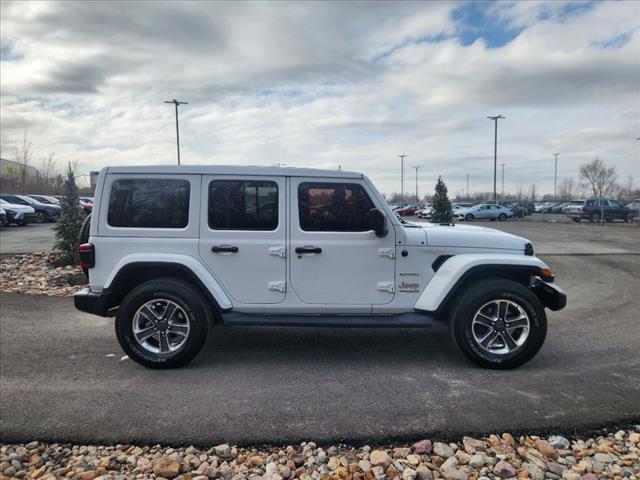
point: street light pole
(555, 176)
(402, 157)
(417, 167)
(467, 186)
(502, 195)
(176, 103)
(495, 153)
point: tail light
(87, 255)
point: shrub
(441, 205)
(68, 227)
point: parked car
(489, 211)
(18, 214)
(87, 200)
(409, 209)
(44, 213)
(575, 206)
(3, 218)
(597, 210)
(424, 213)
(634, 209)
(172, 251)
(44, 199)
(557, 208)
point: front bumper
(551, 296)
(94, 303)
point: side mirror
(376, 220)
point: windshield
(28, 200)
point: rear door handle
(224, 249)
(301, 250)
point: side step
(409, 319)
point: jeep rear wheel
(162, 323)
(498, 324)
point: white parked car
(173, 251)
(18, 214)
(483, 211)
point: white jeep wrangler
(172, 251)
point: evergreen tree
(441, 205)
(68, 227)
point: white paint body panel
(454, 268)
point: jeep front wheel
(162, 323)
(498, 324)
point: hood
(470, 236)
(18, 208)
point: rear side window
(333, 207)
(243, 205)
(149, 203)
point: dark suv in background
(596, 210)
(44, 213)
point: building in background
(9, 168)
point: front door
(335, 259)
(243, 236)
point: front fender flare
(456, 268)
(191, 263)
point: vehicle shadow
(302, 346)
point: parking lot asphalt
(63, 376)
(34, 237)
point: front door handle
(301, 250)
(224, 249)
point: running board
(410, 319)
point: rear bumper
(551, 296)
(94, 303)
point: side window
(614, 204)
(149, 203)
(243, 205)
(333, 207)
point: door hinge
(278, 252)
(386, 287)
(387, 252)
(278, 286)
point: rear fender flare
(191, 264)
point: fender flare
(191, 265)
(455, 269)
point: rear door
(335, 260)
(243, 235)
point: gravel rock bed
(40, 273)
(611, 456)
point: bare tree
(568, 189)
(24, 156)
(598, 176)
(532, 192)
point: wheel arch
(459, 271)
(134, 273)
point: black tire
(482, 292)
(469, 217)
(502, 217)
(188, 298)
(40, 217)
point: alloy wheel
(500, 327)
(161, 326)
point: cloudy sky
(328, 84)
